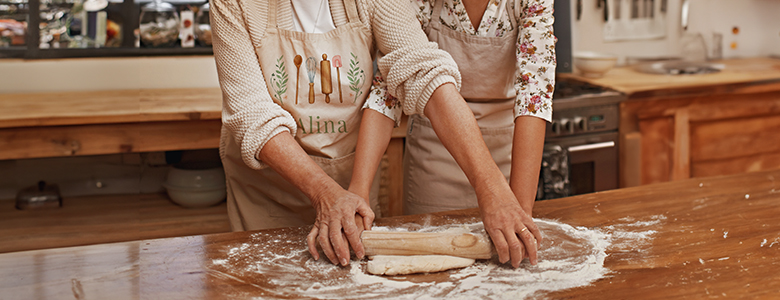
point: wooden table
(720, 238)
(124, 121)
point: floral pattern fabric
(535, 65)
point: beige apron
(328, 113)
(433, 181)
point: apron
(322, 79)
(433, 181)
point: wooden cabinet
(700, 131)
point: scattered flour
(281, 267)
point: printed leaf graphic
(356, 76)
(279, 80)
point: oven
(581, 143)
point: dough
(402, 265)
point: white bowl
(594, 64)
(196, 175)
(196, 197)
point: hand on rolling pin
(335, 228)
(513, 232)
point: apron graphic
(356, 76)
(279, 81)
(337, 65)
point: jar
(203, 26)
(159, 25)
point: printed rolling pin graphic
(311, 68)
(337, 65)
(460, 244)
(325, 79)
(298, 61)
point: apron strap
(271, 22)
(352, 13)
(435, 19)
(510, 14)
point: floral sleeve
(380, 100)
(535, 75)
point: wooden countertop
(744, 73)
(719, 238)
(109, 107)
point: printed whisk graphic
(311, 68)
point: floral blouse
(535, 66)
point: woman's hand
(512, 230)
(335, 228)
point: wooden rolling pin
(458, 244)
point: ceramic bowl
(196, 184)
(594, 64)
(196, 197)
(196, 175)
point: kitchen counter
(739, 74)
(73, 123)
(715, 237)
(681, 126)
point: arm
(374, 136)
(527, 146)
(263, 129)
(535, 79)
(336, 208)
(502, 215)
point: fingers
(352, 232)
(501, 246)
(367, 215)
(516, 249)
(529, 241)
(324, 241)
(311, 240)
(339, 243)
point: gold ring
(524, 229)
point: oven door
(591, 164)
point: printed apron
(322, 79)
(433, 181)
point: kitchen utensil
(39, 197)
(196, 185)
(311, 68)
(325, 81)
(196, 197)
(458, 244)
(337, 65)
(298, 60)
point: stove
(581, 143)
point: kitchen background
(747, 28)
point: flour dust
(280, 266)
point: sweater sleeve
(413, 66)
(535, 70)
(248, 112)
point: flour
(281, 267)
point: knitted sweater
(412, 66)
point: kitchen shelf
(126, 13)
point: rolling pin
(458, 244)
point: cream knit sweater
(412, 66)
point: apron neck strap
(352, 13)
(437, 4)
(510, 14)
(272, 8)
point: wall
(758, 22)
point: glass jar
(203, 26)
(159, 25)
(13, 23)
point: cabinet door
(706, 136)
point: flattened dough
(402, 265)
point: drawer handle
(591, 146)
